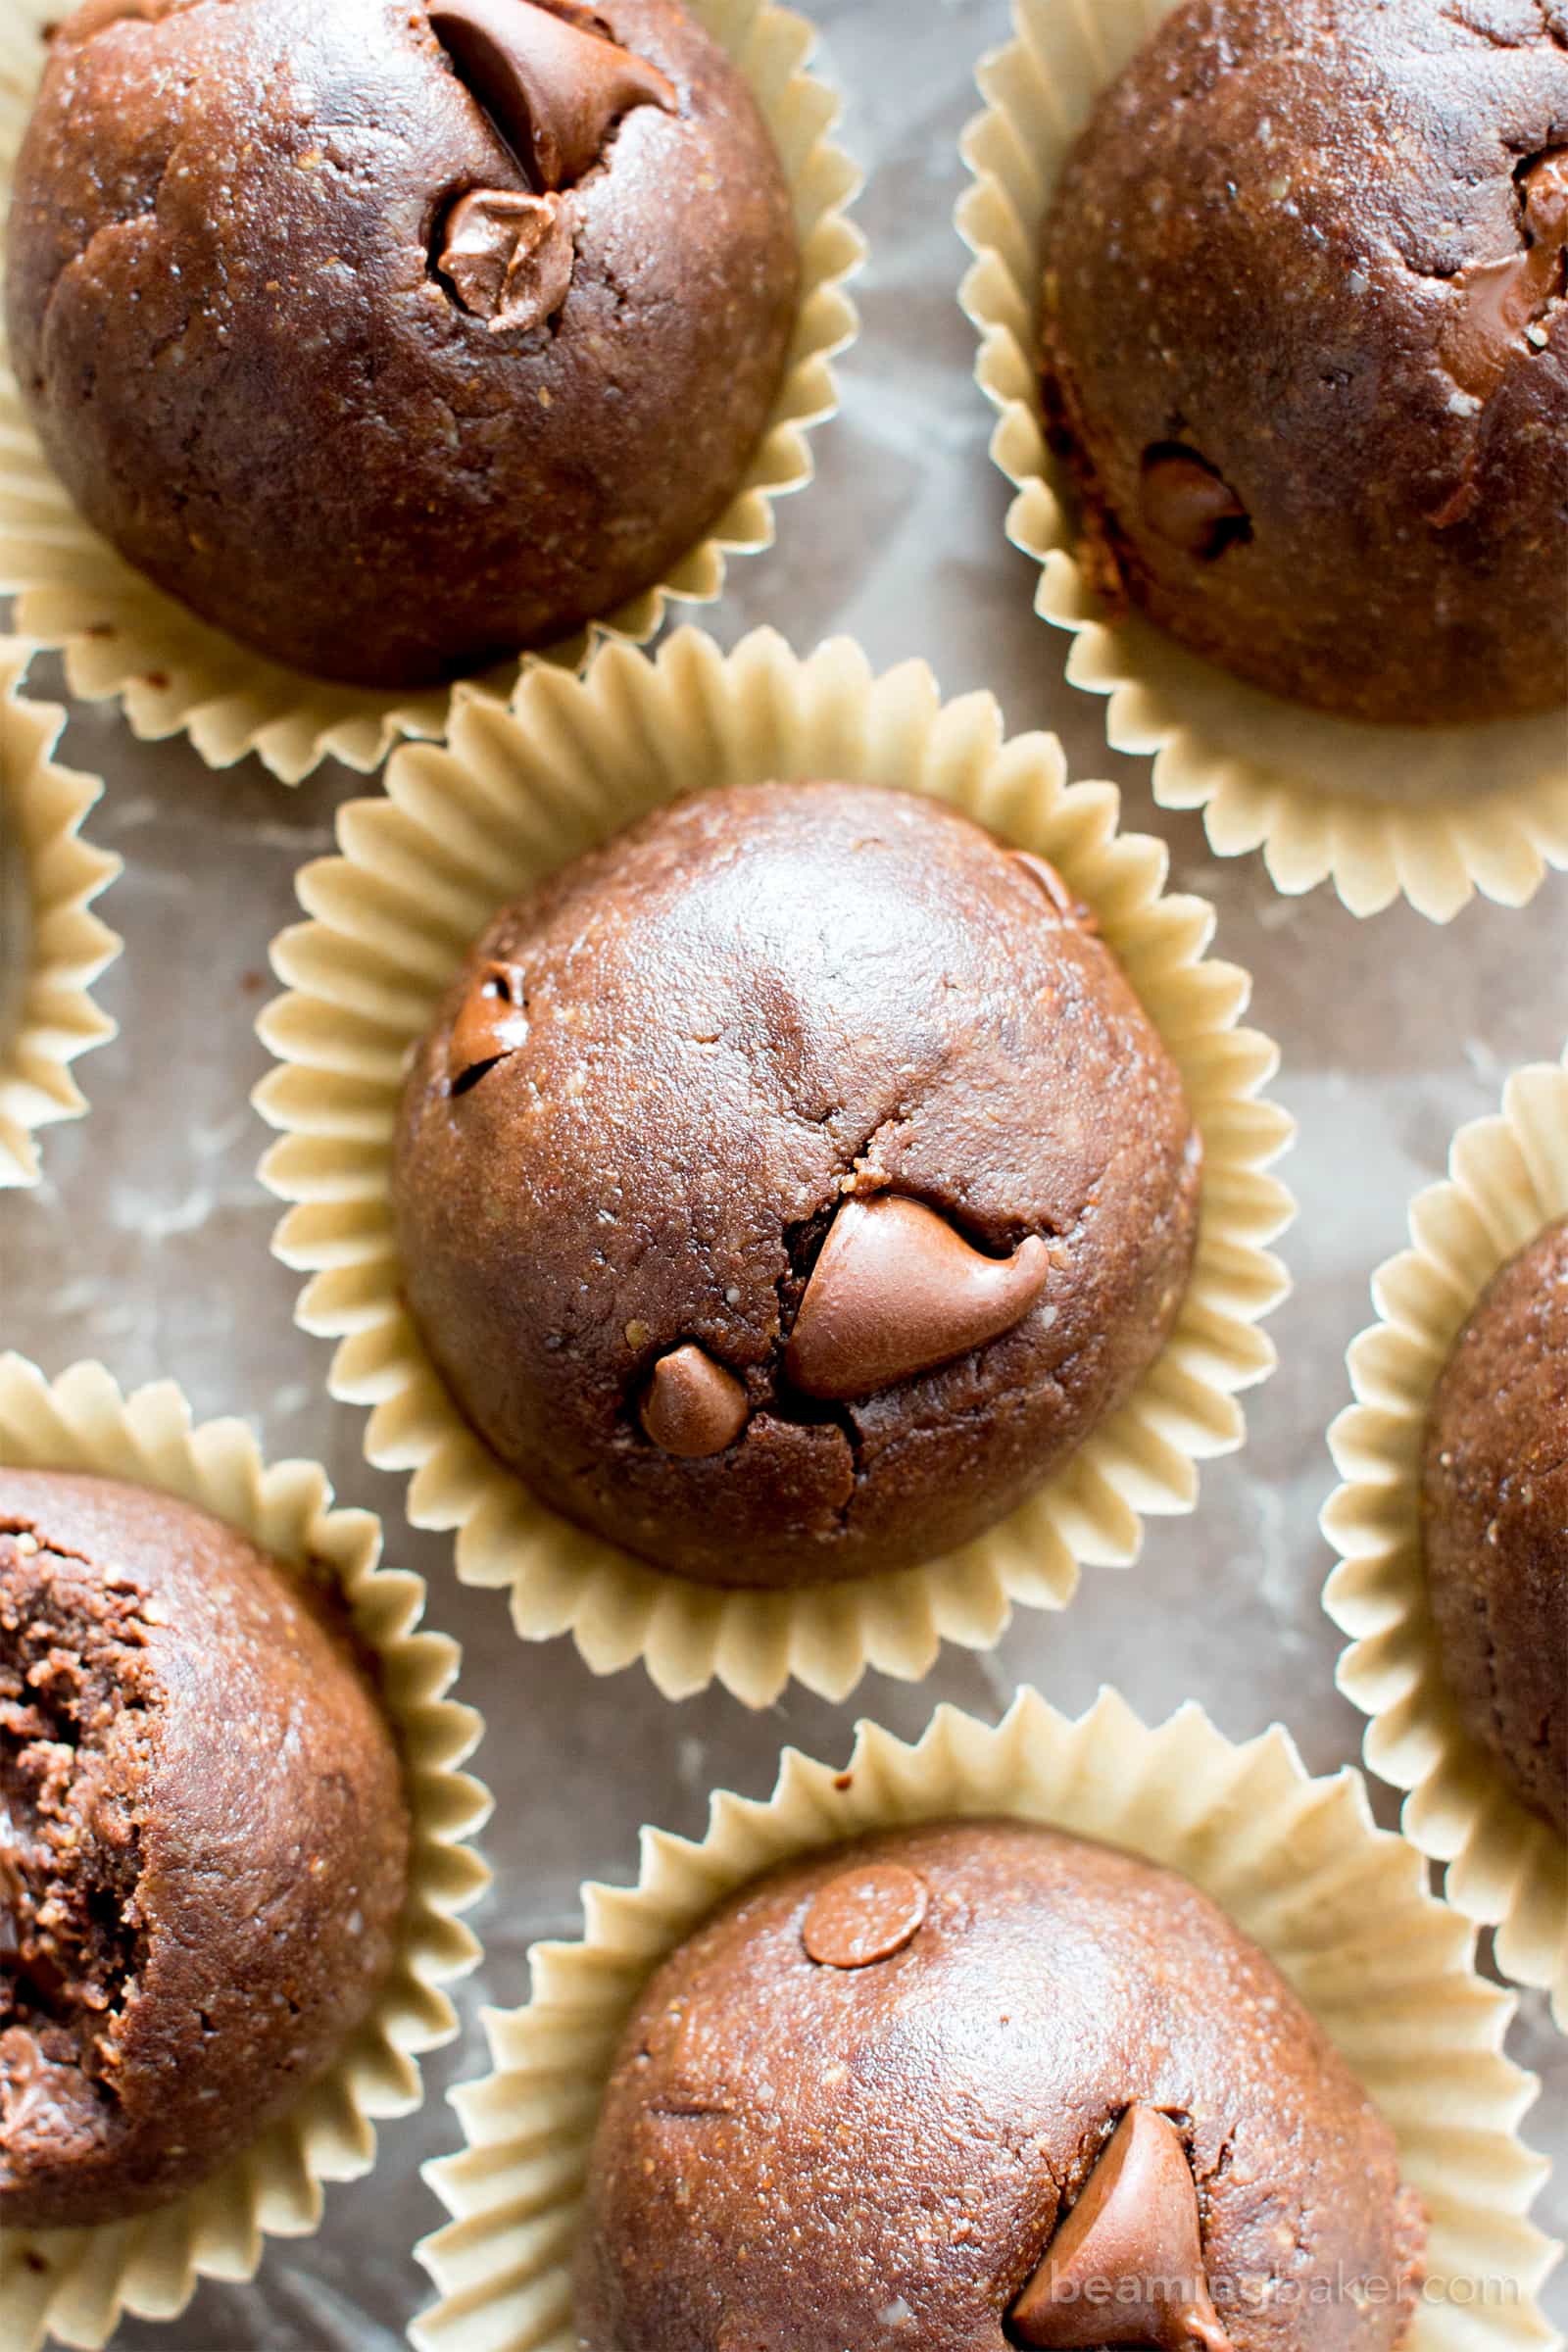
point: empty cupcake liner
(173, 674)
(52, 947)
(1341, 1906)
(77, 2283)
(517, 792)
(1505, 1867)
(1437, 812)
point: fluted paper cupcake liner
(1434, 813)
(175, 674)
(74, 2284)
(514, 794)
(52, 947)
(1339, 1906)
(1505, 1867)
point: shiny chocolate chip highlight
(1126, 2267)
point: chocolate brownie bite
(393, 338)
(204, 1845)
(1306, 348)
(786, 1187)
(977, 2084)
(1494, 1522)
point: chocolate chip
(1186, 500)
(1133, 2238)
(11, 1894)
(507, 257)
(551, 82)
(864, 1916)
(1501, 301)
(897, 1290)
(694, 1407)
(492, 1024)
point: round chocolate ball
(394, 338)
(978, 2084)
(1306, 348)
(786, 1187)
(204, 1845)
(1494, 1522)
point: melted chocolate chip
(553, 85)
(897, 1290)
(864, 1916)
(694, 1407)
(507, 257)
(1126, 2267)
(1499, 301)
(1185, 500)
(492, 1024)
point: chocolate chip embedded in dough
(1189, 504)
(1126, 2267)
(694, 1407)
(554, 88)
(864, 1915)
(507, 257)
(493, 1023)
(897, 1290)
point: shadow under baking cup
(1507, 1866)
(53, 948)
(514, 794)
(1432, 812)
(1341, 1907)
(76, 2284)
(173, 673)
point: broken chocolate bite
(149, 2029)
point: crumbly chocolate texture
(389, 350)
(1495, 1521)
(1306, 348)
(878, 2143)
(204, 1845)
(786, 1187)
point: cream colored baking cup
(1507, 1866)
(1341, 1907)
(77, 2283)
(176, 675)
(52, 946)
(1434, 813)
(465, 829)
